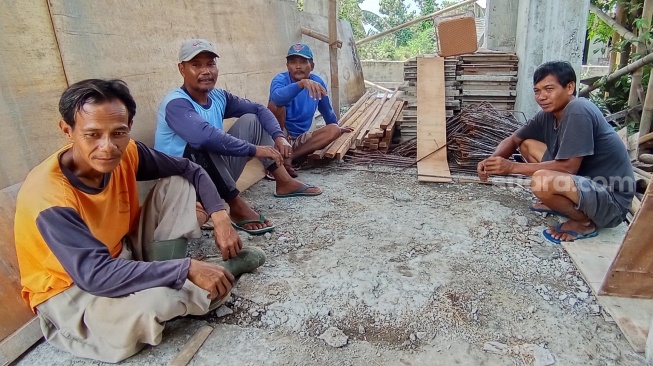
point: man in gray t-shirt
(580, 167)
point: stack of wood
(372, 119)
(483, 76)
(488, 77)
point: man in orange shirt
(88, 256)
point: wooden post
(616, 37)
(647, 110)
(640, 47)
(631, 271)
(317, 35)
(333, 56)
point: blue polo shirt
(300, 107)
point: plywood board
(432, 165)
(32, 82)
(631, 273)
(20, 341)
(593, 257)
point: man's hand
(211, 277)
(315, 89)
(270, 153)
(283, 146)
(346, 129)
(498, 166)
(226, 237)
(480, 169)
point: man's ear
(129, 124)
(312, 65)
(180, 67)
(571, 87)
(66, 129)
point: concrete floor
(405, 274)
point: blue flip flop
(300, 192)
(240, 225)
(549, 211)
(578, 236)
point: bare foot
(239, 210)
(292, 185)
(582, 228)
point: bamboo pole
(616, 37)
(625, 33)
(333, 56)
(318, 36)
(640, 47)
(647, 110)
(619, 73)
(414, 21)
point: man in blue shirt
(295, 95)
(190, 125)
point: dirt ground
(382, 270)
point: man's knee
(248, 119)
(545, 183)
(333, 131)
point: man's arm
(236, 107)
(324, 106)
(153, 164)
(90, 265)
(281, 94)
(198, 133)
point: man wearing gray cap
(295, 95)
(190, 125)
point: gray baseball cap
(192, 47)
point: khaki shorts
(300, 140)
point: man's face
(200, 73)
(299, 67)
(100, 136)
(551, 96)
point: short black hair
(562, 70)
(94, 91)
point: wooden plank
(593, 257)
(345, 140)
(493, 93)
(624, 113)
(20, 341)
(191, 347)
(631, 273)
(348, 120)
(350, 140)
(623, 135)
(375, 114)
(431, 121)
(486, 78)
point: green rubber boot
(247, 260)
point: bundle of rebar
(474, 133)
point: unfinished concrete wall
(47, 45)
(350, 71)
(547, 31)
(32, 80)
(383, 71)
(501, 25)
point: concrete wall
(48, 45)
(537, 31)
(350, 72)
(383, 71)
(501, 25)
(548, 30)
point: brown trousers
(112, 329)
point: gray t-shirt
(583, 131)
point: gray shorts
(598, 203)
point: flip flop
(299, 192)
(578, 236)
(549, 211)
(261, 220)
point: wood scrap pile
(403, 155)
(372, 119)
(474, 134)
